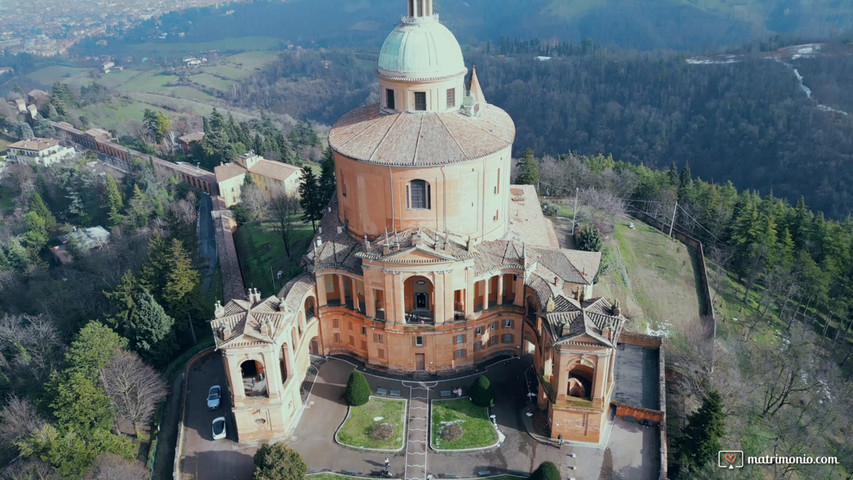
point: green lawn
(262, 255)
(211, 81)
(661, 280)
(179, 49)
(479, 431)
(356, 431)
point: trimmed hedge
(358, 390)
(482, 392)
(546, 471)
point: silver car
(218, 428)
(213, 397)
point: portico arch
(253, 374)
(580, 381)
(419, 299)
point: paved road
(632, 453)
(206, 230)
(204, 458)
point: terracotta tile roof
(228, 171)
(575, 266)
(527, 223)
(569, 320)
(420, 138)
(242, 323)
(192, 137)
(277, 170)
(35, 144)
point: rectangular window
(460, 353)
(351, 340)
(451, 97)
(381, 353)
(478, 345)
(336, 323)
(418, 194)
(493, 326)
(507, 323)
(478, 330)
(349, 326)
(363, 345)
(337, 337)
(377, 338)
(420, 101)
(506, 338)
(364, 330)
(419, 341)
(389, 99)
(460, 339)
(493, 340)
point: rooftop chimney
(218, 310)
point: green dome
(421, 48)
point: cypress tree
(705, 427)
(358, 390)
(482, 392)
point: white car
(218, 428)
(213, 397)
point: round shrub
(482, 392)
(358, 390)
(452, 432)
(546, 471)
(382, 431)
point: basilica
(428, 261)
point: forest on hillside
(749, 122)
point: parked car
(218, 428)
(213, 397)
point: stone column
(486, 294)
(519, 291)
(500, 297)
(321, 292)
(341, 288)
(354, 289)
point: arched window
(418, 194)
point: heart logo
(731, 457)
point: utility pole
(192, 330)
(674, 209)
(575, 210)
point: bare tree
(29, 469)
(110, 466)
(253, 202)
(30, 348)
(134, 387)
(603, 207)
(18, 420)
(284, 213)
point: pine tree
(115, 202)
(327, 173)
(150, 331)
(705, 427)
(37, 205)
(528, 169)
(311, 198)
(182, 279)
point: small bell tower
(420, 8)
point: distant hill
(689, 25)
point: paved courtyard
(632, 452)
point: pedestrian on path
(387, 464)
(560, 440)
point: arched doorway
(419, 300)
(309, 308)
(580, 381)
(254, 378)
